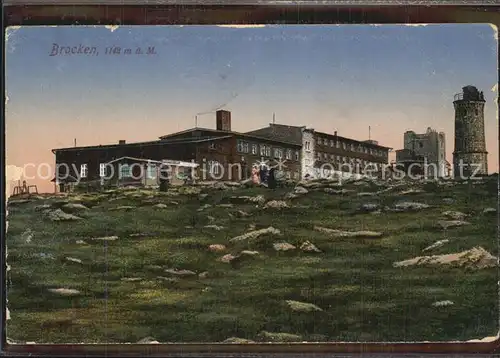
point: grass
(362, 296)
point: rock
(227, 258)
(252, 235)
(216, 248)
(168, 279)
(302, 306)
(242, 214)
(18, 202)
(215, 227)
(43, 207)
(74, 207)
(105, 238)
(411, 191)
(278, 337)
(189, 190)
(122, 208)
(448, 200)
(369, 207)
(148, 340)
(206, 206)
(59, 215)
(160, 206)
(65, 291)
(455, 215)
(233, 184)
(436, 245)
(276, 204)
(80, 242)
(259, 199)
(283, 246)
(410, 206)
(299, 190)
(203, 274)
(249, 253)
(237, 340)
(27, 235)
(183, 273)
(131, 279)
(446, 224)
(477, 258)
(202, 196)
(367, 193)
(225, 205)
(342, 233)
(442, 303)
(489, 211)
(309, 247)
(72, 259)
(290, 196)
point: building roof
(179, 163)
(250, 135)
(294, 134)
(155, 142)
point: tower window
(477, 111)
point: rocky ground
(317, 261)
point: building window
(262, 150)
(297, 155)
(325, 156)
(337, 144)
(352, 147)
(211, 145)
(214, 167)
(289, 154)
(239, 146)
(125, 171)
(331, 143)
(151, 171)
(344, 146)
(308, 145)
(245, 147)
(102, 170)
(254, 148)
(268, 151)
(307, 162)
(278, 153)
(84, 171)
(421, 145)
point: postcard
(248, 184)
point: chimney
(223, 120)
(335, 133)
(121, 141)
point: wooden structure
(24, 189)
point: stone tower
(470, 155)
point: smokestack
(223, 119)
(75, 142)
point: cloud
(241, 26)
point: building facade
(324, 154)
(470, 156)
(219, 154)
(427, 150)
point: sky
(346, 78)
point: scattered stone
(448, 200)
(237, 340)
(336, 191)
(489, 211)
(249, 253)
(18, 202)
(252, 235)
(105, 238)
(276, 204)
(122, 208)
(203, 274)
(161, 206)
(217, 248)
(225, 205)
(446, 224)
(131, 279)
(74, 207)
(436, 245)
(476, 257)
(259, 199)
(168, 279)
(215, 227)
(206, 206)
(455, 215)
(148, 340)
(299, 190)
(442, 303)
(278, 337)
(227, 258)
(202, 196)
(43, 207)
(369, 207)
(411, 191)
(410, 206)
(65, 291)
(283, 246)
(210, 218)
(80, 242)
(27, 235)
(180, 272)
(302, 306)
(72, 259)
(290, 196)
(307, 246)
(342, 233)
(59, 215)
(367, 193)
(242, 214)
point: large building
(470, 156)
(218, 154)
(424, 153)
(323, 153)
